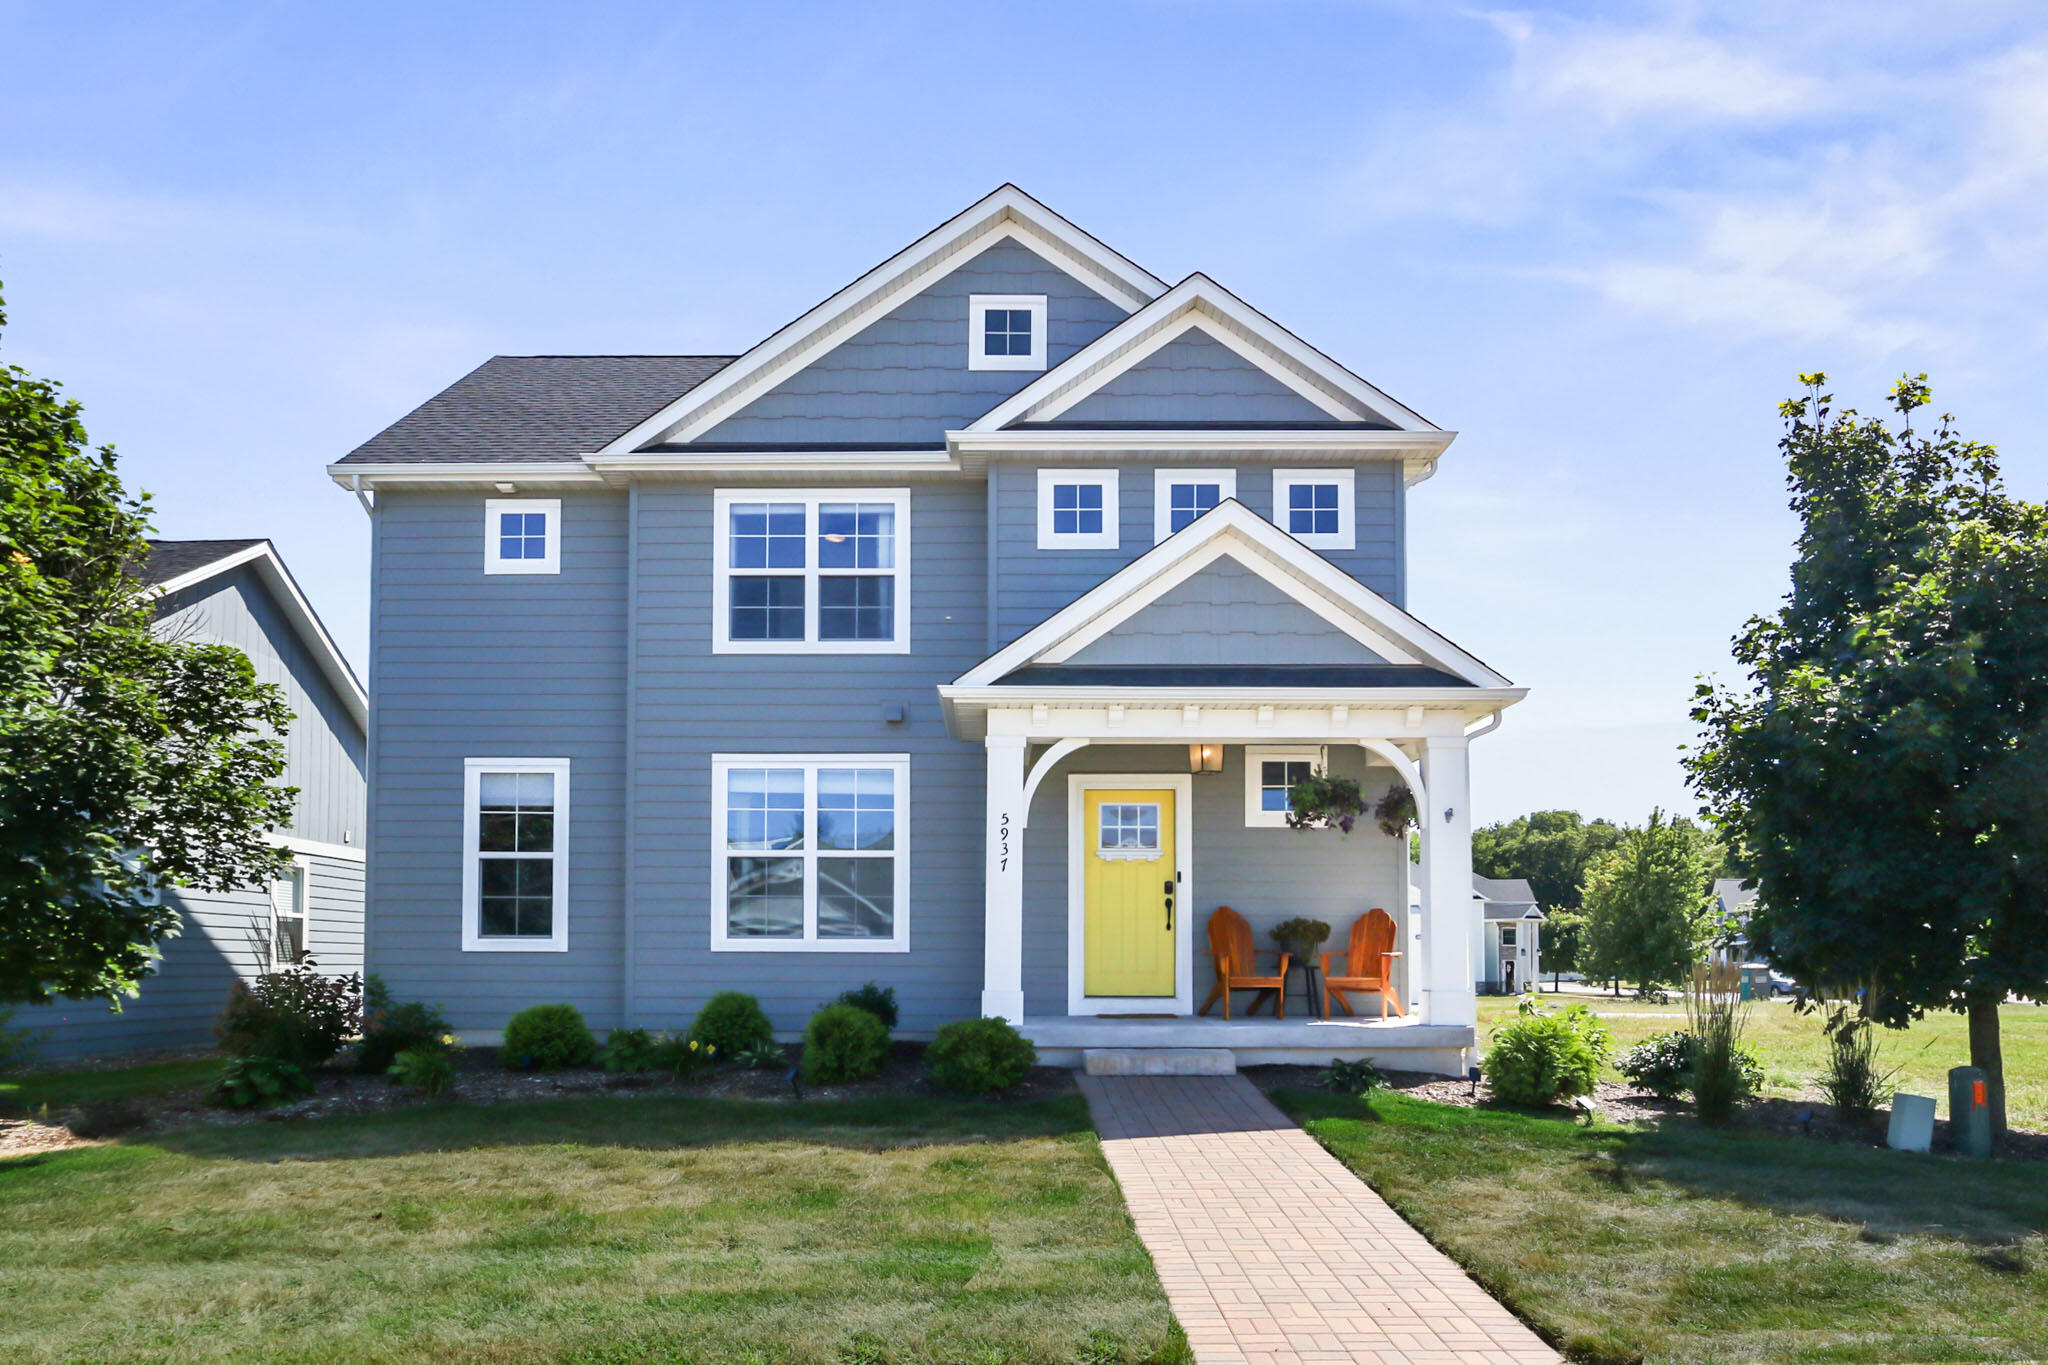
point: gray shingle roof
(533, 409)
(170, 559)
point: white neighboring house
(238, 592)
(1507, 933)
(1733, 901)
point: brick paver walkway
(1272, 1252)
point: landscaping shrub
(294, 1014)
(877, 1000)
(1664, 1065)
(681, 1057)
(1353, 1078)
(843, 1043)
(547, 1036)
(1540, 1059)
(248, 1082)
(1724, 1074)
(761, 1057)
(975, 1056)
(426, 1066)
(732, 1022)
(390, 1027)
(1855, 1080)
(627, 1050)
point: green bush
(1353, 1078)
(843, 1043)
(247, 1082)
(1540, 1059)
(975, 1056)
(628, 1050)
(425, 1067)
(681, 1057)
(295, 1015)
(390, 1027)
(877, 1000)
(1661, 1064)
(547, 1036)
(732, 1022)
(1856, 1079)
(761, 1057)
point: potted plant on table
(1302, 938)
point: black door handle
(1169, 907)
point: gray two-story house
(964, 635)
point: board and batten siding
(905, 377)
(690, 704)
(1266, 875)
(470, 665)
(1031, 584)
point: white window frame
(721, 940)
(551, 562)
(299, 882)
(473, 940)
(1346, 536)
(978, 306)
(1255, 814)
(722, 571)
(1163, 481)
(1105, 539)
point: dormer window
(1006, 332)
(522, 535)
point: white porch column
(1002, 992)
(1447, 938)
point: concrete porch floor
(1395, 1044)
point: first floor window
(1181, 495)
(515, 876)
(1269, 775)
(288, 919)
(798, 572)
(809, 853)
(522, 535)
(1077, 509)
(1314, 506)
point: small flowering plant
(1320, 801)
(682, 1057)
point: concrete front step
(1159, 1061)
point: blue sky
(1597, 241)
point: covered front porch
(1394, 1044)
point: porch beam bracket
(1040, 770)
(1410, 774)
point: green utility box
(1969, 1110)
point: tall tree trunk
(1987, 1056)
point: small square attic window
(1006, 332)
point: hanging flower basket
(1396, 811)
(1320, 801)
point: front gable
(1225, 613)
(1193, 379)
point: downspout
(355, 483)
(1492, 723)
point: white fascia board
(1145, 577)
(1197, 297)
(305, 621)
(1082, 711)
(1009, 212)
(455, 473)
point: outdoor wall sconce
(1205, 758)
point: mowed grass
(592, 1230)
(1794, 1050)
(1682, 1245)
(29, 1092)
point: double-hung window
(810, 853)
(515, 874)
(1314, 506)
(289, 920)
(522, 535)
(1077, 509)
(823, 572)
(1006, 332)
(1181, 495)
(1268, 774)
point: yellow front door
(1131, 884)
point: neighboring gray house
(1736, 905)
(238, 592)
(1510, 929)
(963, 635)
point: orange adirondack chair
(1368, 964)
(1230, 943)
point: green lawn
(26, 1093)
(1794, 1051)
(1687, 1246)
(589, 1230)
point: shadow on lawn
(650, 1123)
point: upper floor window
(812, 571)
(1006, 332)
(1077, 509)
(1269, 773)
(515, 874)
(1181, 495)
(1314, 506)
(522, 535)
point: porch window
(515, 876)
(811, 853)
(1269, 773)
(812, 572)
(1315, 507)
(1181, 495)
(522, 535)
(1077, 509)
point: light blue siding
(1225, 614)
(904, 378)
(1195, 378)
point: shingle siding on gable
(1225, 614)
(905, 378)
(1195, 378)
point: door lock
(1169, 907)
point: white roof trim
(297, 610)
(1200, 301)
(1009, 212)
(1232, 528)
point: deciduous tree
(1648, 913)
(1553, 850)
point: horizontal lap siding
(1225, 614)
(470, 665)
(1195, 378)
(691, 704)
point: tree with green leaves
(1885, 769)
(1649, 914)
(1553, 850)
(128, 761)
